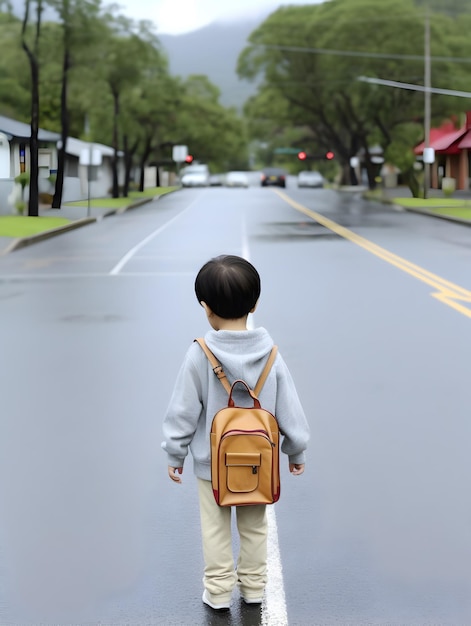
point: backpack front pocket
(243, 471)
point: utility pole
(427, 103)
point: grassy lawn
(24, 226)
(453, 207)
(18, 226)
(118, 203)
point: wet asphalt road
(372, 313)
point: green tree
(75, 31)
(151, 118)
(125, 57)
(311, 57)
(214, 134)
(14, 71)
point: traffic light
(189, 158)
(302, 156)
(329, 155)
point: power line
(393, 83)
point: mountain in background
(213, 50)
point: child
(228, 288)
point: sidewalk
(405, 192)
(78, 215)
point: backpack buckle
(219, 372)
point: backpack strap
(266, 371)
(218, 369)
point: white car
(236, 179)
(310, 179)
(195, 176)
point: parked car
(273, 176)
(236, 179)
(215, 180)
(310, 179)
(195, 176)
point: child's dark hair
(229, 285)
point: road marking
(245, 240)
(128, 256)
(274, 612)
(446, 292)
(19, 277)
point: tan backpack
(245, 453)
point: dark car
(273, 176)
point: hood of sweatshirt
(242, 353)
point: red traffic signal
(302, 156)
(189, 158)
(329, 155)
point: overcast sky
(179, 16)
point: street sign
(429, 155)
(287, 150)
(179, 153)
(90, 156)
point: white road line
(128, 256)
(274, 612)
(18, 277)
(245, 241)
(27, 277)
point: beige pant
(220, 576)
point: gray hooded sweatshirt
(198, 395)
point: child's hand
(296, 468)
(172, 473)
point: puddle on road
(311, 228)
(288, 230)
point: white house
(14, 155)
(14, 159)
(76, 175)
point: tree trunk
(114, 160)
(33, 202)
(129, 153)
(127, 166)
(371, 170)
(413, 183)
(32, 54)
(142, 162)
(57, 200)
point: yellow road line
(447, 292)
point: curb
(22, 242)
(16, 244)
(137, 204)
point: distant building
(452, 153)
(15, 158)
(76, 175)
(14, 155)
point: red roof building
(452, 153)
